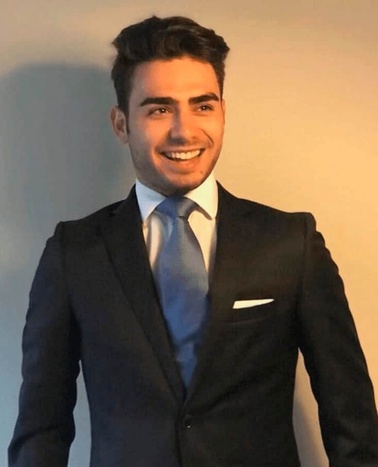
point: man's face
(175, 124)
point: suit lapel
(124, 240)
(224, 282)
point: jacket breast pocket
(256, 312)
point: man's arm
(335, 362)
(45, 425)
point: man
(211, 382)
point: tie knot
(177, 206)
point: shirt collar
(205, 195)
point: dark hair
(164, 39)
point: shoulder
(260, 214)
(90, 222)
(94, 218)
(88, 227)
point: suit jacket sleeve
(45, 426)
(334, 360)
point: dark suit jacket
(93, 298)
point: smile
(182, 155)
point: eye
(205, 107)
(157, 111)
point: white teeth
(184, 155)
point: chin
(176, 191)
(179, 189)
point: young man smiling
(173, 124)
(271, 288)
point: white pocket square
(250, 303)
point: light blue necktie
(183, 284)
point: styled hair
(164, 39)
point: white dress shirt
(157, 227)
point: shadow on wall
(58, 160)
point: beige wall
(302, 107)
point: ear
(119, 124)
(224, 107)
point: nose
(182, 126)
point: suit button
(187, 421)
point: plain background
(302, 111)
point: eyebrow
(170, 101)
(204, 98)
